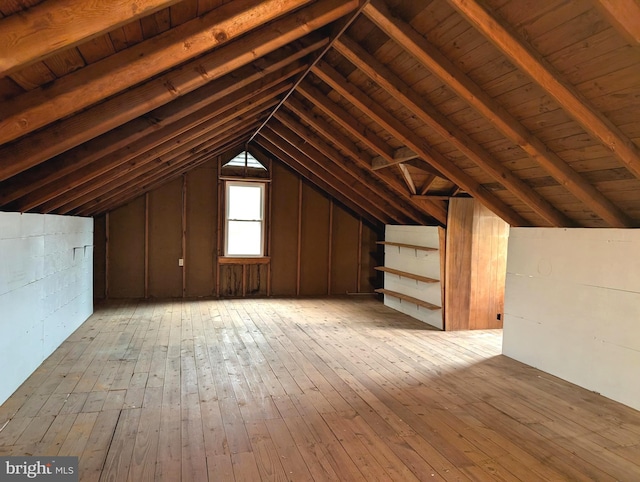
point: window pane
(244, 238)
(245, 202)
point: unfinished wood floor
(307, 390)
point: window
(244, 219)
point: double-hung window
(244, 219)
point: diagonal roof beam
(397, 129)
(54, 26)
(353, 189)
(429, 56)
(228, 93)
(359, 171)
(624, 15)
(120, 71)
(159, 172)
(298, 166)
(351, 125)
(334, 37)
(386, 79)
(541, 72)
(97, 120)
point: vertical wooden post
(359, 265)
(184, 235)
(268, 221)
(146, 245)
(221, 213)
(330, 253)
(106, 256)
(299, 254)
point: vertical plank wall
(331, 261)
(572, 307)
(476, 259)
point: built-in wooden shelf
(404, 245)
(404, 274)
(410, 299)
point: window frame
(262, 220)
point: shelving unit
(404, 274)
(413, 272)
(410, 299)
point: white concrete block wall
(572, 307)
(425, 263)
(46, 289)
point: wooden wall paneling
(256, 279)
(231, 280)
(106, 257)
(370, 257)
(299, 253)
(126, 251)
(442, 237)
(202, 214)
(345, 260)
(183, 232)
(314, 243)
(359, 272)
(99, 256)
(458, 263)
(330, 247)
(146, 245)
(220, 217)
(476, 244)
(165, 241)
(284, 231)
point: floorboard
(307, 390)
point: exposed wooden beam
(378, 190)
(179, 135)
(406, 175)
(429, 56)
(136, 187)
(427, 184)
(56, 25)
(334, 36)
(624, 15)
(260, 74)
(390, 82)
(400, 155)
(351, 125)
(120, 71)
(111, 167)
(137, 101)
(396, 128)
(354, 190)
(306, 173)
(545, 75)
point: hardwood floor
(307, 390)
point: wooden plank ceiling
(392, 106)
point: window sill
(244, 260)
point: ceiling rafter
(351, 125)
(624, 15)
(144, 152)
(312, 177)
(397, 129)
(357, 171)
(395, 87)
(139, 100)
(322, 167)
(118, 72)
(54, 26)
(429, 56)
(129, 189)
(543, 73)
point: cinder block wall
(46, 289)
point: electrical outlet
(180, 262)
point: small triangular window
(245, 159)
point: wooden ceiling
(391, 106)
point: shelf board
(410, 299)
(404, 245)
(404, 274)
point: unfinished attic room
(320, 240)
